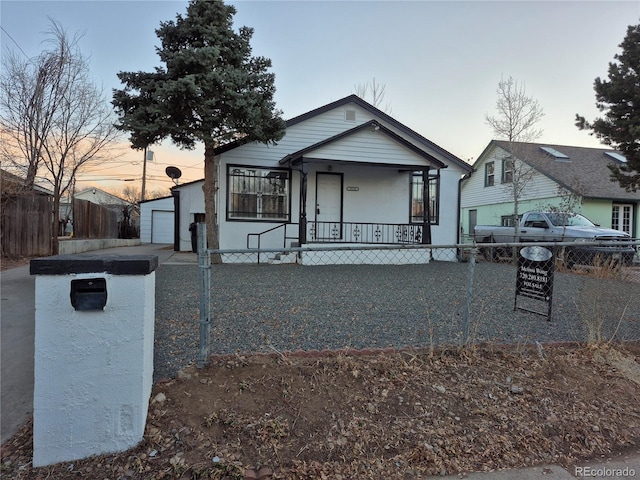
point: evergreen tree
(619, 98)
(210, 90)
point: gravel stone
(279, 308)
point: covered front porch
(382, 194)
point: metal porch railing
(365, 233)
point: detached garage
(157, 224)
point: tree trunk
(210, 190)
(55, 243)
(32, 169)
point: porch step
(280, 258)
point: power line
(197, 165)
(93, 178)
(98, 168)
(16, 43)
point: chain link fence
(422, 296)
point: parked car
(562, 227)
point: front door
(329, 205)
(473, 221)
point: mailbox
(75, 414)
(89, 294)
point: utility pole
(144, 172)
(148, 155)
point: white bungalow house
(343, 173)
(554, 176)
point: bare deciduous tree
(134, 195)
(570, 201)
(376, 92)
(28, 106)
(516, 121)
(130, 194)
(54, 118)
(518, 114)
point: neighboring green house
(553, 176)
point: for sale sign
(534, 281)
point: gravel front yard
(393, 415)
(262, 308)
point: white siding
(297, 137)
(310, 132)
(100, 197)
(368, 146)
(146, 213)
(191, 202)
(475, 194)
(383, 193)
(446, 233)
(494, 202)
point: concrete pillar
(94, 327)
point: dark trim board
(92, 263)
(176, 220)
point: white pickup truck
(562, 227)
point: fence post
(204, 274)
(467, 313)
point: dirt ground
(376, 414)
(7, 263)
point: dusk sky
(439, 61)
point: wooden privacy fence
(26, 222)
(91, 220)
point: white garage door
(161, 226)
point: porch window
(417, 196)
(255, 193)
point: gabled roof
(584, 172)
(12, 184)
(180, 185)
(296, 157)
(156, 199)
(116, 199)
(374, 111)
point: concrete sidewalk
(626, 467)
(17, 330)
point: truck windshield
(569, 220)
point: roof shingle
(585, 171)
